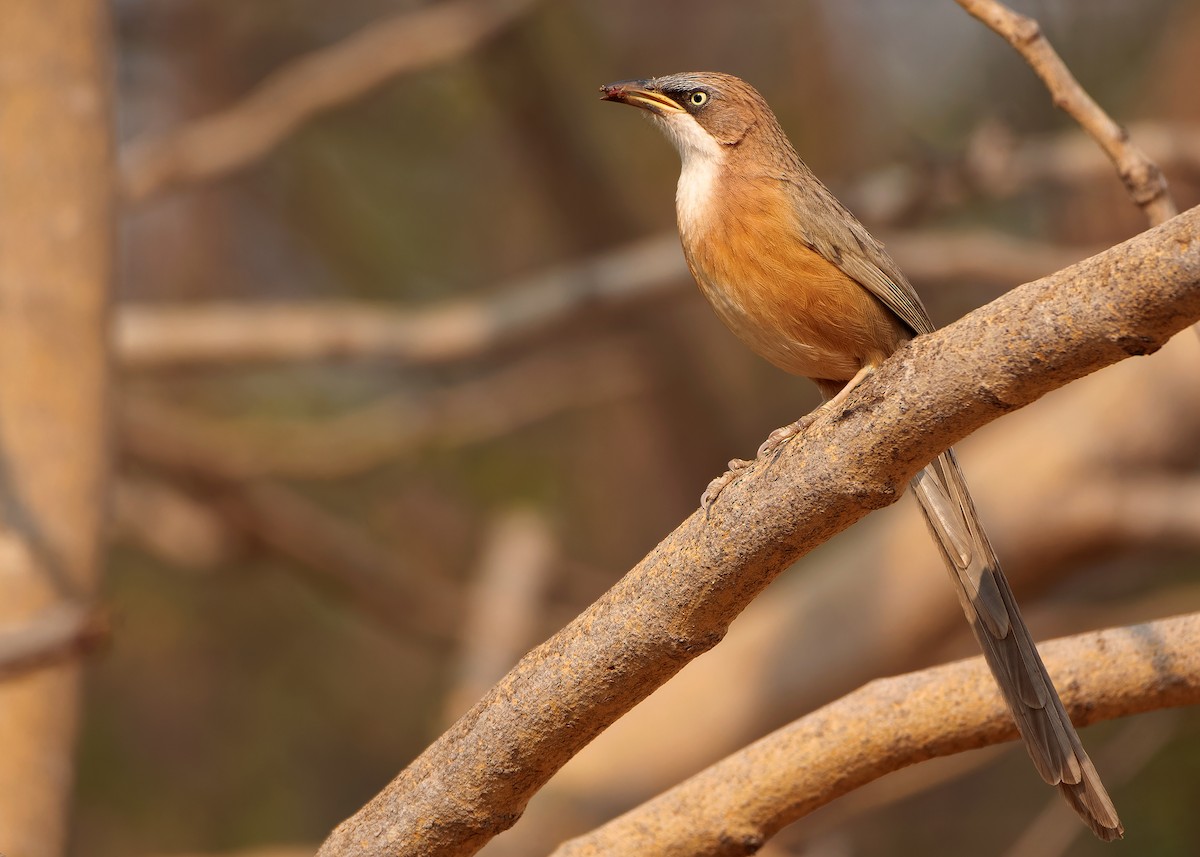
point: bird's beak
(639, 94)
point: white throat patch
(702, 157)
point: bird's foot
(714, 489)
(769, 448)
(783, 434)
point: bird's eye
(698, 98)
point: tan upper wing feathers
(831, 230)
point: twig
(239, 135)
(1142, 177)
(738, 803)
(476, 779)
(56, 634)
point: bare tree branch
(999, 164)
(57, 252)
(239, 135)
(734, 806)
(1037, 475)
(56, 634)
(475, 780)
(236, 332)
(339, 555)
(518, 394)
(165, 521)
(1142, 177)
(154, 336)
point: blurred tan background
(325, 546)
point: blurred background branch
(211, 147)
(1141, 176)
(526, 391)
(158, 336)
(615, 284)
(58, 633)
(502, 604)
(393, 282)
(56, 264)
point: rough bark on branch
(1096, 471)
(734, 806)
(475, 780)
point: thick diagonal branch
(476, 779)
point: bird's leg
(785, 433)
(781, 435)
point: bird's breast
(785, 300)
(694, 194)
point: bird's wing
(831, 230)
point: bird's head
(701, 112)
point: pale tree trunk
(56, 259)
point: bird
(794, 274)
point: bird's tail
(1007, 645)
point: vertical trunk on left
(56, 263)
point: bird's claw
(769, 448)
(714, 489)
(783, 434)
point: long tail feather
(1007, 645)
